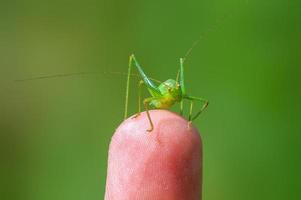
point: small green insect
(163, 96)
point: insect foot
(189, 125)
(135, 116)
(150, 129)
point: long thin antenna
(79, 74)
(191, 48)
(196, 42)
(55, 76)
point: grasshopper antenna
(52, 76)
(55, 76)
(196, 42)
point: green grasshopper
(163, 96)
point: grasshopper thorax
(171, 89)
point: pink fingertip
(164, 164)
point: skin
(163, 165)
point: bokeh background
(55, 132)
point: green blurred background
(55, 132)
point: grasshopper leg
(139, 98)
(190, 111)
(153, 89)
(146, 106)
(182, 85)
(127, 89)
(205, 104)
(181, 108)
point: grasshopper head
(171, 89)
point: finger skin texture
(164, 164)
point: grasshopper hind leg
(204, 102)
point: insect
(163, 96)
(169, 92)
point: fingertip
(162, 164)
